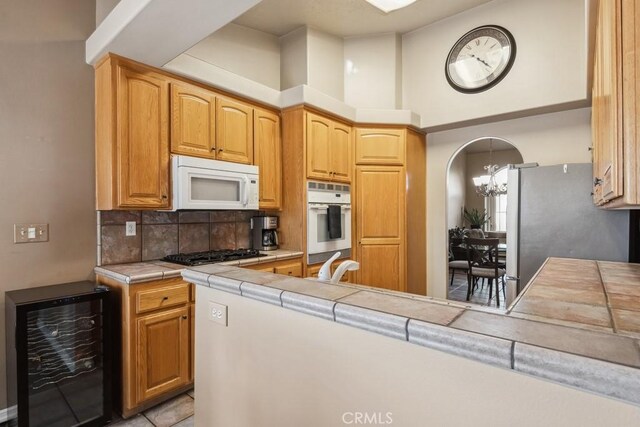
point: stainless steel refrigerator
(550, 213)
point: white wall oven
(328, 221)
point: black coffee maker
(264, 236)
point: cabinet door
(380, 146)
(143, 142)
(268, 157)
(318, 145)
(607, 107)
(193, 117)
(382, 266)
(313, 270)
(234, 131)
(293, 269)
(340, 153)
(162, 352)
(192, 342)
(380, 225)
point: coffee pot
(264, 234)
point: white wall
(547, 139)
(372, 74)
(243, 51)
(103, 8)
(550, 66)
(456, 190)
(325, 56)
(293, 59)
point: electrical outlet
(217, 313)
(130, 228)
(28, 233)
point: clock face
(480, 59)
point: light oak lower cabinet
(313, 270)
(163, 352)
(289, 267)
(156, 341)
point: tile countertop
(556, 330)
(140, 272)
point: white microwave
(211, 184)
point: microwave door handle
(245, 194)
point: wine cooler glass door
(65, 364)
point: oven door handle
(318, 207)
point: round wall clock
(480, 59)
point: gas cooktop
(210, 257)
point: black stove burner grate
(210, 257)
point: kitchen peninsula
(575, 373)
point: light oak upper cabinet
(380, 146)
(380, 226)
(132, 137)
(328, 149)
(193, 121)
(234, 131)
(163, 352)
(616, 89)
(268, 157)
(340, 153)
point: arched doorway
(478, 166)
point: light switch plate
(28, 233)
(217, 313)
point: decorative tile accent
(196, 277)
(118, 248)
(308, 305)
(193, 217)
(483, 348)
(222, 216)
(225, 284)
(381, 323)
(577, 371)
(193, 237)
(171, 412)
(159, 240)
(223, 236)
(155, 217)
(261, 293)
(243, 235)
(579, 341)
(403, 306)
(119, 217)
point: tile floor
(177, 412)
(458, 292)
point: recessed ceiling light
(390, 5)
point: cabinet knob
(164, 196)
(220, 150)
(184, 317)
(165, 298)
(213, 148)
(597, 181)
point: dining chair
(483, 263)
(457, 257)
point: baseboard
(9, 413)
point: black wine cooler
(59, 355)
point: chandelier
(486, 185)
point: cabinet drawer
(293, 269)
(168, 296)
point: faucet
(325, 270)
(345, 266)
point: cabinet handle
(165, 298)
(164, 196)
(597, 181)
(220, 150)
(184, 317)
(213, 149)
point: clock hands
(481, 60)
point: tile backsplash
(164, 233)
